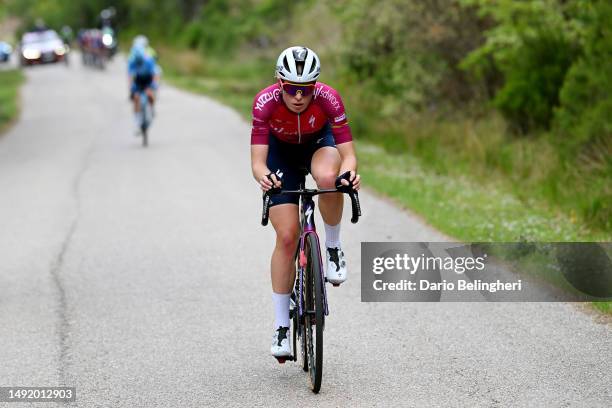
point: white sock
(332, 235)
(281, 309)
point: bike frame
(307, 227)
(308, 232)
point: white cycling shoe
(336, 266)
(280, 343)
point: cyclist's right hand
(271, 181)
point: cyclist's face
(296, 103)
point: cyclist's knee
(326, 179)
(286, 239)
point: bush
(408, 51)
(532, 45)
(584, 120)
(585, 114)
(533, 78)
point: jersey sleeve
(152, 67)
(260, 129)
(131, 68)
(333, 107)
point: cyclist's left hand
(353, 177)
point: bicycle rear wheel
(315, 314)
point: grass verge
(9, 103)
(605, 307)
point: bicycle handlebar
(354, 196)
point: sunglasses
(294, 89)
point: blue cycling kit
(143, 74)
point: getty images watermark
(507, 272)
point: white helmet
(298, 64)
(141, 41)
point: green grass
(9, 101)
(605, 307)
(232, 84)
(464, 207)
(461, 175)
(473, 209)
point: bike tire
(313, 289)
(298, 327)
(144, 127)
(300, 322)
(304, 348)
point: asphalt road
(140, 276)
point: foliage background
(510, 93)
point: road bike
(309, 297)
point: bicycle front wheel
(299, 332)
(315, 314)
(144, 125)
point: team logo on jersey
(327, 94)
(265, 98)
(311, 121)
(340, 118)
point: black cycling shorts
(143, 81)
(293, 160)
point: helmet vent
(286, 64)
(313, 66)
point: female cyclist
(300, 123)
